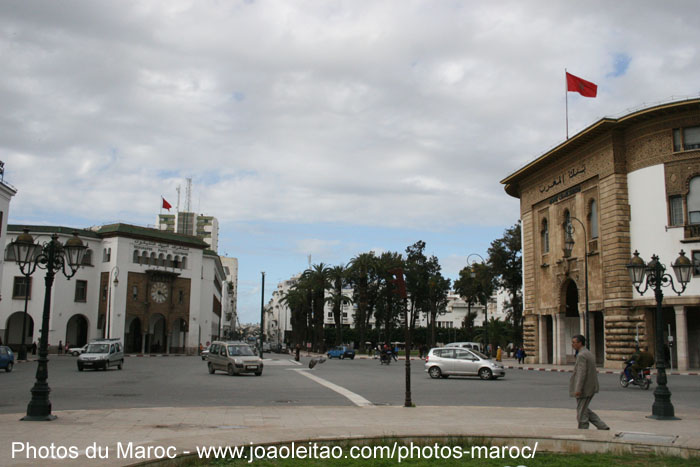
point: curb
(605, 372)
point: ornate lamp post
(568, 248)
(52, 256)
(656, 278)
(262, 313)
(472, 274)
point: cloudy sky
(322, 128)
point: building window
(22, 288)
(696, 262)
(184, 262)
(567, 225)
(181, 297)
(106, 255)
(135, 292)
(694, 201)
(675, 207)
(593, 219)
(104, 293)
(686, 139)
(80, 291)
(87, 259)
(10, 253)
(545, 236)
(136, 258)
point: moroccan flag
(581, 86)
(166, 205)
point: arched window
(161, 260)
(593, 219)
(545, 236)
(136, 257)
(694, 201)
(154, 260)
(144, 257)
(169, 261)
(567, 225)
(176, 262)
(184, 262)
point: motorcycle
(641, 379)
(385, 358)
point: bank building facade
(621, 185)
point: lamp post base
(22, 355)
(663, 417)
(38, 418)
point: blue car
(341, 352)
(7, 358)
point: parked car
(234, 358)
(341, 352)
(466, 345)
(7, 358)
(102, 353)
(205, 352)
(447, 361)
(75, 351)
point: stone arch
(77, 330)
(13, 330)
(157, 332)
(132, 335)
(153, 261)
(178, 335)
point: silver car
(446, 361)
(101, 354)
(234, 358)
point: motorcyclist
(640, 359)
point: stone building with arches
(161, 292)
(622, 184)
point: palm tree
(338, 278)
(316, 281)
(296, 300)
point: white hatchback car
(447, 361)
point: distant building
(158, 291)
(7, 191)
(230, 294)
(190, 223)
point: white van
(466, 345)
(102, 353)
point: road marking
(354, 398)
(295, 362)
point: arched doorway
(157, 334)
(572, 321)
(77, 331)
(13, 330)
(178, 336)
(132, 338)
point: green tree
(505, 258)
(362, 276)
(296, 300)
(388, 305)
(475, 285)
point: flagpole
(566, 98)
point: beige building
(623, 184)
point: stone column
(542, 347)
(681, 337)
(555, 338)
(561, 339)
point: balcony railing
(691, 231)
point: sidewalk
(187, 428)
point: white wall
(648, 223)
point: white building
(230, 294)
(158, 291)
(6, 193)
(189, 223)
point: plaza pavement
(185, 428)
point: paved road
(185, 382)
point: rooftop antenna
(188, 195)
(309, 261)
(178, 198)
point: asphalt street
(185, 382)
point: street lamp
(18, 249)
(52, 256)
(656, 278)
(472, 274)
(568, 248)
(262, 313)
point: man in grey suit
(584, 384)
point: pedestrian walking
(584, 384)
(60, 347)
(67, 346)
(522, 356)
(499, 354)
(34, 348)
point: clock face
(159, 292)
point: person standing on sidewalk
(584, 384)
